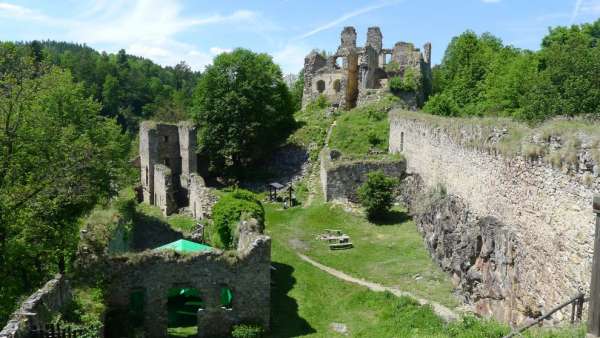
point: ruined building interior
(168, 163)
(352, 75)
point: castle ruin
(354, 74)
(169, 164)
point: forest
(69, 116)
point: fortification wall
(340, 179)
(37, 309)
(202, 198)
(246, 272)
(529, 225)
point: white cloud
(347, 16)
(219, 50)
(148, 28)
(291, 57)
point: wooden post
(594, 312)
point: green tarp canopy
(183, 245)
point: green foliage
(392, 67)
(363, 129)
(243, 109)
(442, 104)
(128, 87)
(297, 91)
(247, 331)
(227, 213)
(377, 194)
(320, 102)
(312, 124)
(85, 312)
(409, 82)
(58, 158)
(484, 77)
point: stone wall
(246, 272)
(164, 191)
(38, 308)
(340, 179)
(202, 198)
(537, 218)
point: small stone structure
(245, 271)
(168, 163)
(38, 308)
(515, 233)
(359, 74)
(340, 179)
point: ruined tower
(355, 75)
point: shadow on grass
(392, 217)
(150, 232)
(285, 321)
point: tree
(297, 91)
(377, 194)
(227, 213)
(58, 158)
(243, 110)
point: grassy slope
(362, 129)
(391, 254)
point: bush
(377, 194)
(441, 104)
(247, 331)
(227, 213)
(409, 82)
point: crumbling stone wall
(202, 198)
(38, 308)
(533, 222)
(362, 70)
(340, 179)
(168, 160)
(246, 272)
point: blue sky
(194, 31)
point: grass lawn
(392, 254)
(182, 223)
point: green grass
(391, 254)
(305, 301)
(312, 129)
(362, 129)
(182, 332)
(182, 223)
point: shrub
(319, 103)
(377, 194)
(247, 331)
(409, 82)
(442, 104)
(227, 213)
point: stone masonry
(340, 179)
(168, 163)
(246, 272)
(354, 74)
(516, 234)
(37, 310)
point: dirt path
(314, 174)
(445, 313)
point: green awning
(183, 245)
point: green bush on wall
(227, 213)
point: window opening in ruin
(339, 63)
(166, 138)
(183, 305)
(136, 307)
(337, 85)
(167, 162)
(226, 297)
(387, 58)
(402, 141)
(320, 86)
(147, 176)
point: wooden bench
(340, 246)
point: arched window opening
(320, 86)
(337, 85)
(183, 305)
(226, 297)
